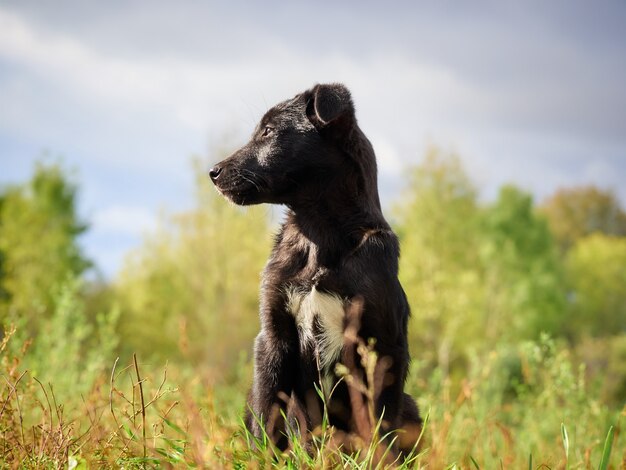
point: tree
(474, 276)
(39, 228)
(437, 222)
(522, 269)
(576, 212)
(596, 272)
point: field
(517, 336)
(144, 415)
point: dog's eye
(267, 131)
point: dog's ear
(330, 104)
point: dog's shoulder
(374, 261)
(380, 242)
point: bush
(511, 405)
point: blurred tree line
(39, 228)
(479, 276)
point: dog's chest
(320, 320)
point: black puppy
(335, 246)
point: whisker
(249, 180)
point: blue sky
(530, 93)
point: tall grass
(522, 406)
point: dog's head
(301, 149)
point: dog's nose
(215, 172)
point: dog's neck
(336, 230)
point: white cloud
(74, 66)
(200, 93)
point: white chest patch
(327, 310)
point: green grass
(139, 415)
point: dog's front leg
(275, 362)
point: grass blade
(173, 426)
(474, 462)
(606, 452)
(565, 444)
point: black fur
(309, 154)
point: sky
(530, 93)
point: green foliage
(596, 271)
(38, 242)
(522, 270)
(474, 275)
(512, 402)
(437, 223)
(137, 419)
(49, 380)
(69, 351)
(191, 291)
(596, 314)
